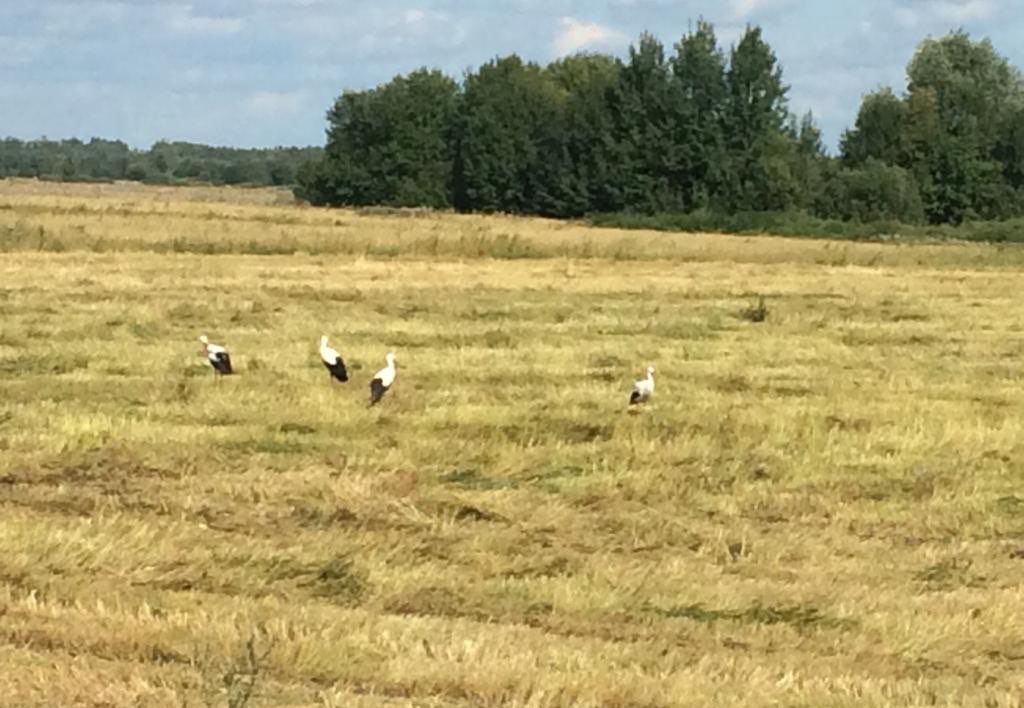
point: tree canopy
(697, 129)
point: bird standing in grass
(218, 357)
(643, 389)
(383, 379)
(333, 361)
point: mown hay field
(824, 508)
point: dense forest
(695, 136)
(164, 163)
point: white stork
(218, 357)
(643, 389)
(333, 361)
(383, 379)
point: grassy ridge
(823, 508)
(799, 224)
(208, 221)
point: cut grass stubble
(820, 506)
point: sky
(262, 73)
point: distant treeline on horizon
(697, 138)
(99, 160)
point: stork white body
(333, 361)
(218, 356)
(643, 389)
(383, 379)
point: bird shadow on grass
(802, 617)
(474, 479)
(948, 575)
(638, 410)
(756, 312)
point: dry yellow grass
(822, 509)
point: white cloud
(367, 32)
(576, 35)
(276, 102)
(22, 51)
(915, 14)
(289, 3)
(89, 17)
(905, 17)
(745, 10)
(183, 20)
(742, 9)
(729, 35)
(194, 75)
(965, 10)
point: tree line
(695, 130)
(164, 163)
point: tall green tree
(960, 95)
(1009, 150)
(586, 80)
(509, 141)
(810, 167)
(879, 132)
(754, 122)
(974, 87)
(390, 145)
(645, 104)
(699, 70)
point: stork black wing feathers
(377, 389)
(222, 363)
(338, 370)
